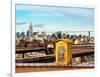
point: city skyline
(52, 19)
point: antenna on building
(30, 23)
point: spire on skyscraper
(30, 28)
(30, 23)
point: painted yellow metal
(63, 51)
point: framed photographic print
(52, 37)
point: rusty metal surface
(26, 50)
(51, 58)
(23, 69)
(37, 49)
(46, 58)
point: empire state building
(30, 29)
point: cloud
(21, 23)
(39, 25)
(81, 11)
(44, 14)
(58, 11)
(59, 27)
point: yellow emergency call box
(63, 52)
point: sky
(52, 19)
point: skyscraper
(30, 29)
(27, 33)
